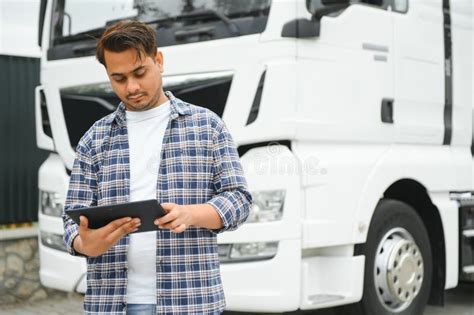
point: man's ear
(159, 60)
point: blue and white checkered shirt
(199, 164)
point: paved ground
(459, 301)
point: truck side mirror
(320, 8)
(303, 28)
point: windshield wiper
(198, 15)
(95, 33)
(91, 34)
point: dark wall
(19, 156)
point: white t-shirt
(145, 137)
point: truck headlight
(267, 206)
(52, 240)
(50, 203)
(243, 252)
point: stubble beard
(151, 104)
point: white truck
(353, 120)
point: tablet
(146, 210)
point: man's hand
(94, 243)
(180, 217)
(177, 219)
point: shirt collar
(177, 107)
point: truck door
(345, 74)
(419, 72)
(345, 123)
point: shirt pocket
(188, 168)
(113, 176)
(196, 160)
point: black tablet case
(146, 210)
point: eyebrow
(121, 74)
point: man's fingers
(175, 224)
(181, 228)
(171, 216)
(123, 230)
(171, 225)
(112, 226)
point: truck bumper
(61, 271)
(265, 286)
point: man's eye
(140, 74)
(119, 80)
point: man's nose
(132, 86)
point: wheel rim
(398, 270)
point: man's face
(137, 82)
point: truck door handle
(387, 110)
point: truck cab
(353, 121)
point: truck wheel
(398, 263)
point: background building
(19, 75)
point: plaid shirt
(199, 164)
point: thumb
(84, 223)
(167, 206)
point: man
(153, 146)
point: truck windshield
(76, 24)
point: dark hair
(124, 35)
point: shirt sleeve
(82, 192)
(233, 199)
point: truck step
(468, 233)
(466, 237)
(468, 269)
(324, 298)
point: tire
(397, 238)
